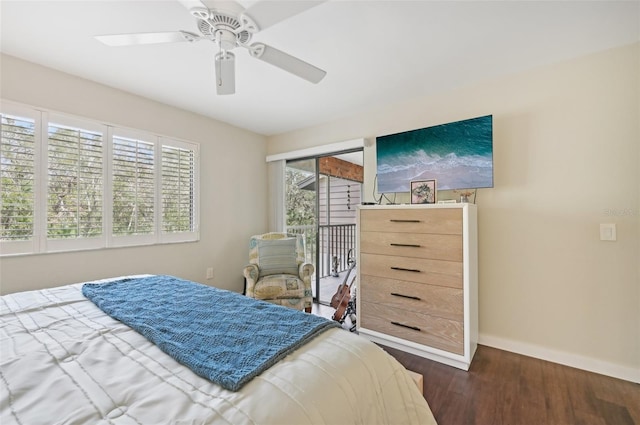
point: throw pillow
(277, 256)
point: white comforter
(63, 361)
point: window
(75, 168)
(17, 181)
(133, 187)
(178, 177)
(87, 185)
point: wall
(566, 151)
(228, 217)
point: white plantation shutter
(133, 186)
(179, 189)
(75, 182)
(17, 180)
(68, 183)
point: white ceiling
(374, 52)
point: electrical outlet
(607, 231)
(210, 273)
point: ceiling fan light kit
(225, 72)
(229, 25)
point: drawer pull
(404, 221)
(415, 328)
(411, 297)
(405, 270)
(405, 244)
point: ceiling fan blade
(117, 40)
(190, 4)
(287, 62)
(228, 6)
(269, 12)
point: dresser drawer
(434, 272)
(421, 245)
(412, 220)
(437, 301)
(420, 328)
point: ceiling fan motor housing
(225, 39)
(225, 29)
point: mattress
(64, 361)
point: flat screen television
(458, 155)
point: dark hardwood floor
(504, 388)
(507, 388)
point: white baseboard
(561, 357)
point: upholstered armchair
(277, 271)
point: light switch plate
(607, 231)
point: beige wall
(232, 186)
(566, 150)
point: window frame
(40, 242)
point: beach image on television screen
(458, 155)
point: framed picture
(423, 192)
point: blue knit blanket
(220, 335)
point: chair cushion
(277, 256)
(279, 286)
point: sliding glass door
(321, 196)
(301, 205)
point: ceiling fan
(229, 25)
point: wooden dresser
(418, 279)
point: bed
(65, 361)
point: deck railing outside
(337, 242)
